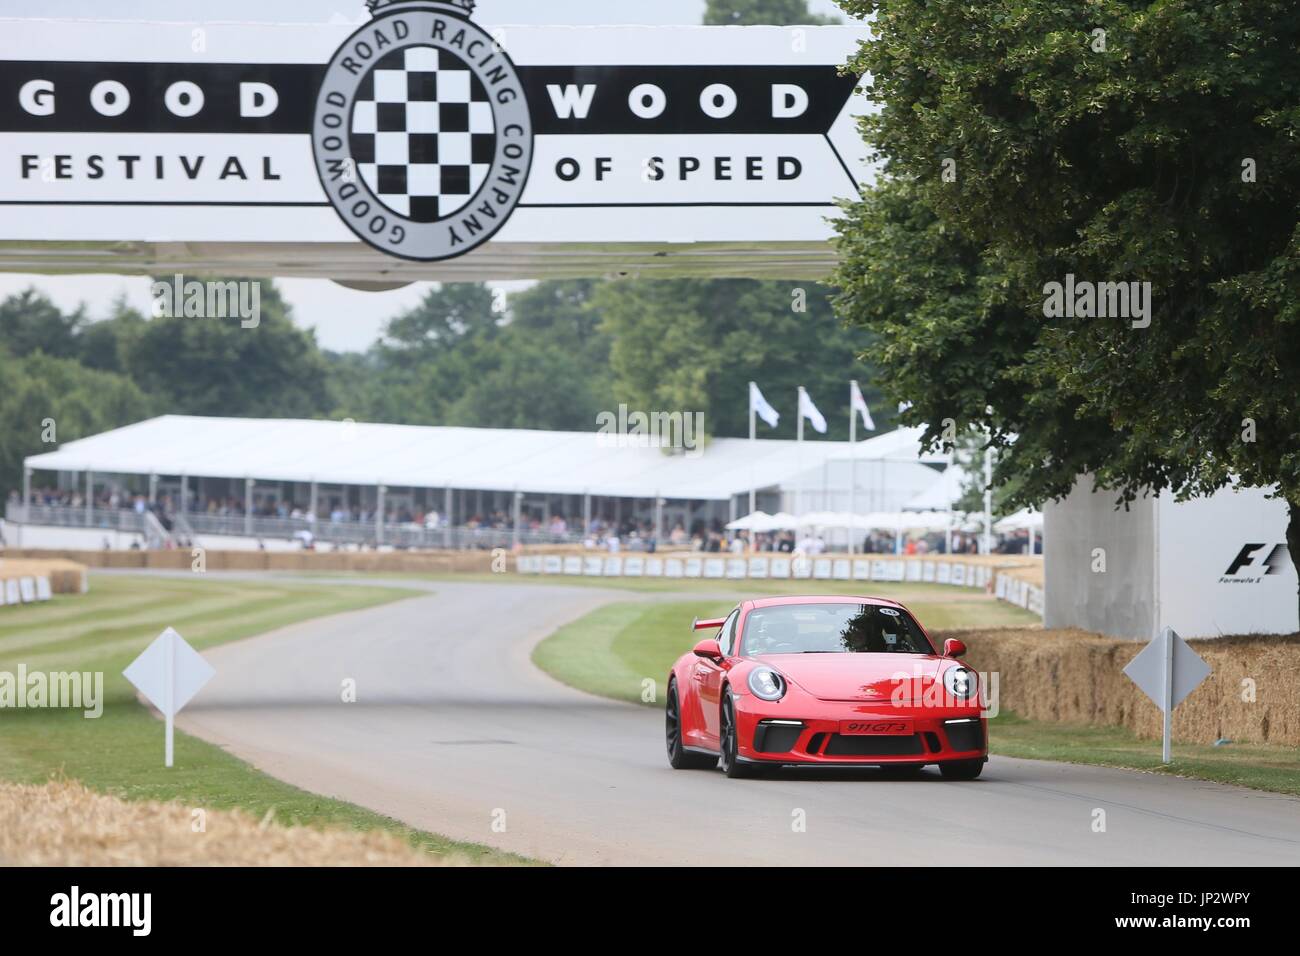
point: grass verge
(120, 753)
(1259, 766)
(612, 650)
(997, 613)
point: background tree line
(555, 356)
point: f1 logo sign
(1276, 560)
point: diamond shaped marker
(1147, 669)
(1167, 670)
(169, 673)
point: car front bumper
(793, 738)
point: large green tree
(107, 344)
(694, 345)
(217, 366)
(1022, 141)
(46, 401)
(469, 355)
(30, 322)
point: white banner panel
(1224, 567)
(425, 143)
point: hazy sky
(343, 319)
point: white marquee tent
(487, 459)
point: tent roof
(488, 459)
(942, 494)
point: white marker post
(1167, 670)
(169, 673)
(169, 696)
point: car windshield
(832, 628)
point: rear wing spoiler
(707, 623)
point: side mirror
(709, 648)
(953, 648)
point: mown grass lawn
(937, 605)
(614, 649)
(121, 751)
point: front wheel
(961, 769)
(679, 758)
(731, 764)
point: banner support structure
(753, 437)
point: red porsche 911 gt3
(824, 681)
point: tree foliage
(215, 366)
(45, 397)
(551, 356)
(694, 345)
(1121, 155)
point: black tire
(728, 742)
(679, 758)
(961, 769)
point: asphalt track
(456, 732)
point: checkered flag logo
(422, 133)
(422, 149)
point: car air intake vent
(872, 745)
(965, 736)
(770, 738)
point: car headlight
(959, 682)
(766, 683)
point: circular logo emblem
(422, 135)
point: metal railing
(60, 516)
(186, 526)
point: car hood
(859, 677)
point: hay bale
(66, 577)
(1077, 677)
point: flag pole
(753, 437)
(798, 481)
(853, 463)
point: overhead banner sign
(426, 137)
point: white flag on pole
(759, 405)
(859, 404)
(809, 411)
